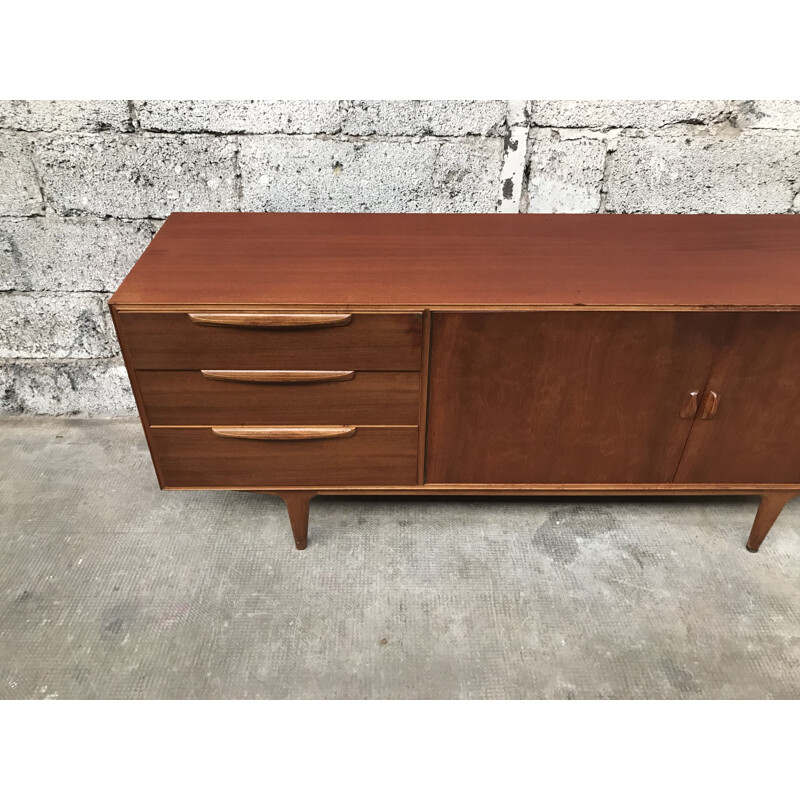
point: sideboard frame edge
(134, 308)
(532, 490)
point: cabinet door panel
(754, 435)
(564, 396)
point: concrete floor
(112, 589)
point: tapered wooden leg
(297, 506)
(771, 505)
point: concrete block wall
(84, 186)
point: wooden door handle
(276, 321)
(689, 407)
(278, 375)
(286, 434)
(710, 405)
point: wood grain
(257, 334)
(710, 405)
(557, 397)
(272, 320)
(368, 398)
(196, 457)
(689, 407)
(423, 395)
(755, 435)
(278, 375)
(369, 342)
(519, 490)
(769, 509)
(334, 262)
(137, 394)
(297, 504)
(284, 433)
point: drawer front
(293, 398)
(199, 458)
(272, 341)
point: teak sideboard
(304, 354)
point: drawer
(363, 456)
(261, 397)
(179, 341)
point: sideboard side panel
(137, 393)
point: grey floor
(112, 589)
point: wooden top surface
(351, 261)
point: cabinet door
(561, 397)
(754, 436)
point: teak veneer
(304, 354)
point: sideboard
(404, 354)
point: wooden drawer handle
(689, 407)
(286, 434)
(710, 405)
(278, 375)
(279, 321)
